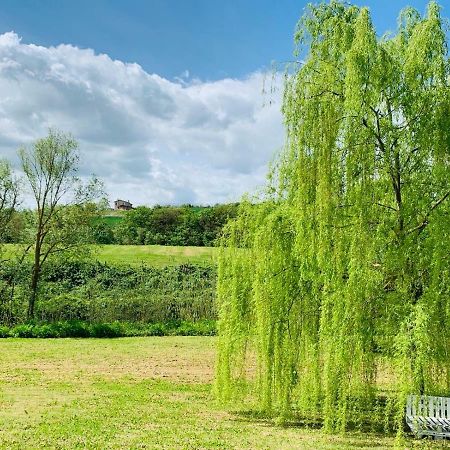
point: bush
(44, 331)
(63, 307)
(93, 292)
(107, 330)
(22, 331)
(78, 329)
(75, 329)
(173, 225)
(128, 294)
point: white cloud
(150, 139)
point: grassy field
(134, 393)
(154, 255)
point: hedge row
(79, 329)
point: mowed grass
(152, 255)
(134, 393)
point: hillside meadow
(134, 255)
(137, 393)
(154, 255)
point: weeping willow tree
(338, 277)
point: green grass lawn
(154, 255)
(134, 393)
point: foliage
(16, 230)
(171, 225)
(102, 232)
(80, 329)
(161, 225)
(9, 196)
(71, 289)
(344, 265)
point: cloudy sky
(164, 97)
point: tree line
(165, 225)
(185, 225)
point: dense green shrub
(79, 329)
(24, 331)
(172, 225)
(100, 293)
(102, 233)
(107, 330)
(64, 307)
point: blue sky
(164, 97)
(212, 39)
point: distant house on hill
(122, 205)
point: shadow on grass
(355, 436)
(267, 419)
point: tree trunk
(34, 280)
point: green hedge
(80, 329)
(89, 291)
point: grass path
(132, 393)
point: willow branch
(424, 222)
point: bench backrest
(427, 406)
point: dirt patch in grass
(169, 358)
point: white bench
(428, 416)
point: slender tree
(63, 208)
(342, 269)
